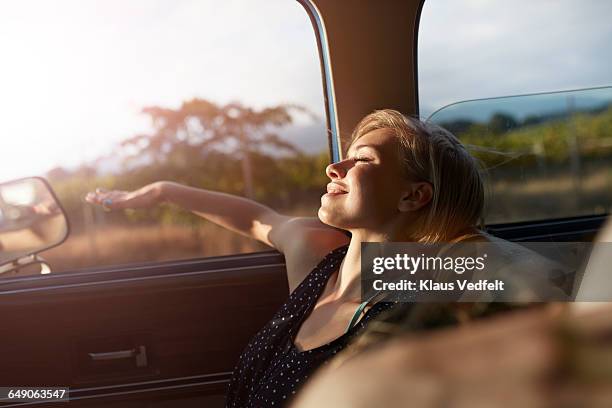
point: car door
(152, 308)
(141, 331)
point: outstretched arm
(238, 214)
(296, 237)
(235, 213)
(303, 240)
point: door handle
(140, 353)
(113, 355)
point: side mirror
(31, 220)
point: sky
(76, 73)
(472, 49)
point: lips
(335, 188)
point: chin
(322, 216)
(325, 217)
(332, 218)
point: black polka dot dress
(271, 369)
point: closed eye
(362, 159)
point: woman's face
(366, 187)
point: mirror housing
(31, 221)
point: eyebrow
(357, 147)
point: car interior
(168, 333)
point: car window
(545, 155)
(529, 94)
(90, 95)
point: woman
(509, 360)
(402, 180)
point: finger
(96, 197)
(101, 190)
(91, 198)
(116, 200)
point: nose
(336, 170)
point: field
(114, 245)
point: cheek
(377, 193)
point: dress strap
(359, 310)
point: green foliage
(551, 142)
(204, 145)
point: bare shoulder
(306, 241)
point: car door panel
(177, 324)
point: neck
(348, 281)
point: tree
(458, 126)
(200, 125)
(502, 123)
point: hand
(145, 197)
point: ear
(416, 196)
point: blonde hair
(431, 153)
